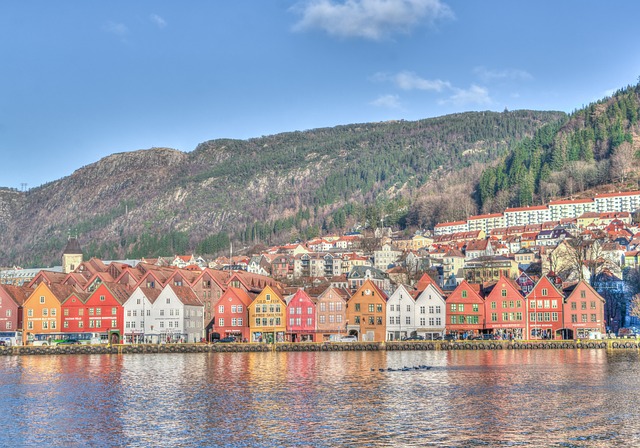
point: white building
(617, 202)
(522, 216)
(400, 314)
(430, 312)
(174, 314)
(447, 228)
(385, 257)
(570, 208)
(486, 222)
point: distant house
(366, 313)
(301, 318)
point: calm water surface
(534, 398)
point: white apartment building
(486, 222)
(617, 202)
(447, 228)
(522, 216)
(570, 208)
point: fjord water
(469, 398)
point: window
(378, 320)
(80, 324)
(505, 316)
(309, 310)
(357, 307)
(371, 307)
(102, 298)
(339, 318)
(221, 309)
(323, 307)
(573, 305)
(461, 307)
(454, 319)
(99, 311)
(504, 304)
(161, 313)
(268, 296)
(437, 310)
(422, 321)
(45, 312)
(148, 312)
(41, 299)
(30, 325)
(357, 319)
(240, 310)
(464, 293)
(8, 325)
(503, 293)
(583, 294)
(493, 305)
(114, 323)
(91, 312)
(45, 325)
(554, 317)
(298, 321)
(408, 320)
(257, 321)
(65, 324)
(240, 321)
(309, 321)
(554, 304)
(574, 318)
(544, 291)
(584, 317)
(438, 321)
(298, 309)
(494, 317)
(593, 305)
(161, 324)
(453, 307)
(423, 309)
(221, 321)
(593, 318)
(475, 307)
(65, 312)
(114, 311)
(583, 305)
(233, 322)
(168, 300)
(233, 308)
(379, 308)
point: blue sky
(84, 79)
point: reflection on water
(469, 398)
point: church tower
(72, 255)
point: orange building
(366, 313)
(42, 313)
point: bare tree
(622, 163)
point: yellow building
(366, 313)
(267, 317)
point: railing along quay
(613, 344)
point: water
(469, 398)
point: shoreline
(120, 349)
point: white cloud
(473, 95)
(491, 75)
(411, 81)
(159, 21)
(118, 29)
(387, 101)
(369, 19)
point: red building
(544, 311)
(105, 314)
(505, 310)
(583, 312)
(301, 318)
(232, 314)
(11, 300)
(74, 319)
(465, 311)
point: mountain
(596, 145)
(162, 201)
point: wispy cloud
(488, 75)
(410, 81)
(387, 101)
(158, 21)
(117, 29)
(369, 19)
(474, 95)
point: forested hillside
(263, 190)
(596, 145)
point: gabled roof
(186, 295)
(18, 294)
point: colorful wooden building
(583, 312)
(505, 310)
(544, 311)
(301, 318)
(465, 311)
(231, 317)
(267, 314)
(366, 313)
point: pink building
(301, 318)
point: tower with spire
(72, 255)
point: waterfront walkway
(609, 344)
